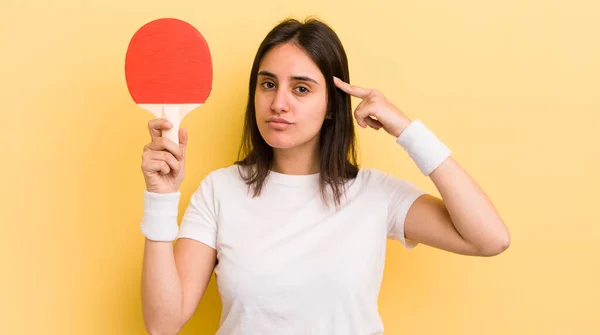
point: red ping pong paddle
(168, 69)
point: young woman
(295, 231)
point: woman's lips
(279, 125)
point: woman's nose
(280, 101)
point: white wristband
(160, 216)
(423, 146)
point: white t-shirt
(288, 264)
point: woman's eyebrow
(298, 78)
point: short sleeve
(400, 195)
(200, 219)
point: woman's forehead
(288, 60)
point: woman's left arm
(464, 220)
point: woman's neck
(296, 161)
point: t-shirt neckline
(294, 180)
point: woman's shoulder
(381, 179)
(372, 174)
(224, 171)
(224, 174)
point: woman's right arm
(174, 275)
(174, 279)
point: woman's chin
(277, 139)
(279, 143)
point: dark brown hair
(337, 149)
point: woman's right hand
(163, 161)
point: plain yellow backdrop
(512, 87)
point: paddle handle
(173, 114)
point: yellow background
(512, 87)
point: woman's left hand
(375, 110)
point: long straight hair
(337, 150)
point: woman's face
(290, 99)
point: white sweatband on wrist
(423, 146)
(160, 216)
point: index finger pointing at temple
(356, 91)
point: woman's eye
(268, 84)
(302, 89)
